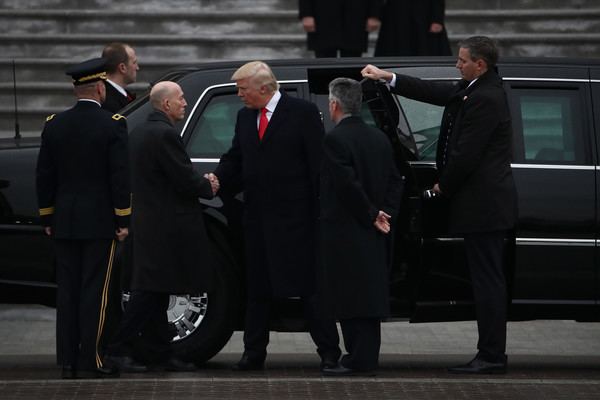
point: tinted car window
(424, 121)
(550, 120)
(212, 134)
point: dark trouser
(256, 331)
(362, 338)
(332, 53)
(83, 269)
(144, 327)
(485, 256)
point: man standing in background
(339, 25)
(121, 68)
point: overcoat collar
(157, 115)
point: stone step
(201, 23)
(262, 46)
(267, 5)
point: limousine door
(554, 169)
(595, 85)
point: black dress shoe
(178, 365)
(68, 372)
(479, 366)
(248, 364)
(340, 370)
(124, 364)
(328, 361)
(98, 373)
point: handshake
(214, 182)
(382, 222)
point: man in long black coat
(339, 25)
(274, 159)
(171, 251)
(84, 199)
(473, 159)
(412, 28)
(360, 195)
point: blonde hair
(259, 73)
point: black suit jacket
(170, 247)
(83, 173)
(358, 178)
(115, 101)
(279, 178)
(474, 166)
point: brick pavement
(548, 360)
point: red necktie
(262, 124)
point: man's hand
(214, 182)
(436, 188)
(382, 222)
(373, 24)
(308, 23)
(122, 233)
(48, 230)
(436, 28)
(372, 72)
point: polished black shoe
(178, 365)
(479, 366)
(328, 362)
(124, 364)
(340, 370)
(98, 373)
(248, 364)
(68, 372)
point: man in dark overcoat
(412, 28)
(274, 159)
(339, 25)
(360, 195)
(171, 251)
(473, 160)
(84, 199)
(121, 68)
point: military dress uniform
(84, 196)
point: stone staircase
(42, 36)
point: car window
(549, 121)
(424, 122)
(214, 130)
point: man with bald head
(170, 247)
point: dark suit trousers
(83, 270)
(485, 256)
(144, 329)
(323, 331)
(362, 338)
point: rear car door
(554, 168)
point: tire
(202, 324)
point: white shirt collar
(272, 104)
(118, 87)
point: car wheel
(201, 324)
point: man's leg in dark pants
(322, 328)
(143, 309)
(362, 337)
(256, 328)
(485, 256)
(68, 278)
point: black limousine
(554, 265)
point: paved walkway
(547, 360)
